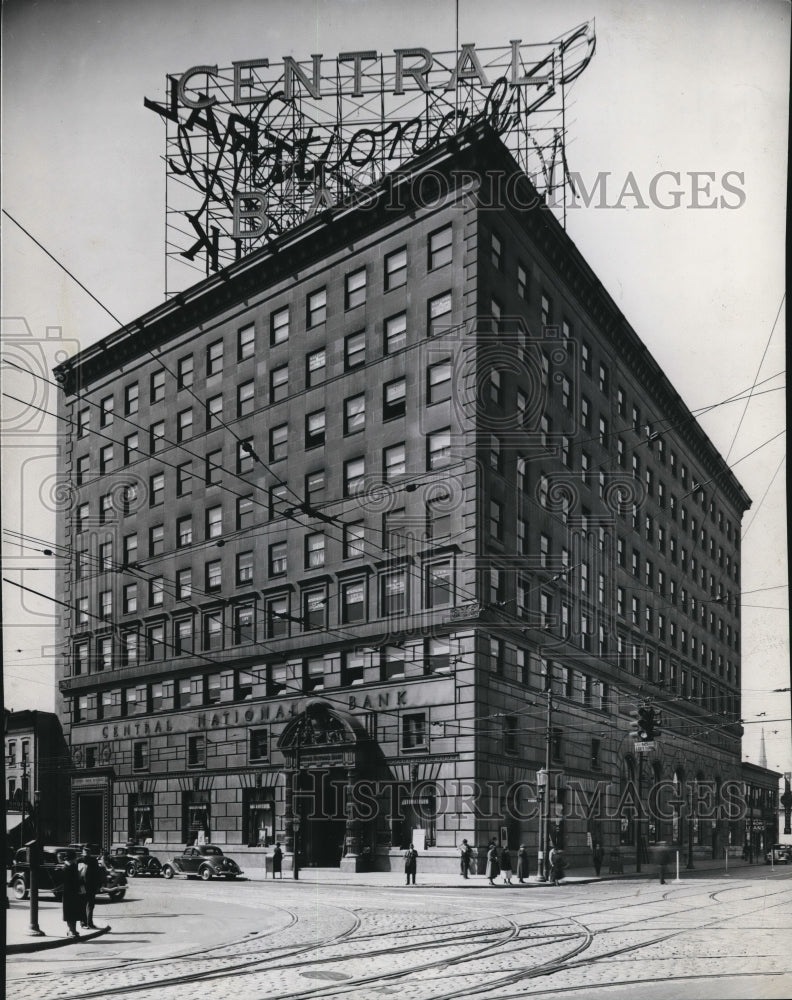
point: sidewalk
(18, 940)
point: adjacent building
(35, 759)
(379, 521)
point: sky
(681, 86)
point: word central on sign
(256, 149)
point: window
(279, 383)
(279, 326)
(277, 496)
(244, 624)
(246, 398)
(277, 617)
(184, 421)
(155, 641)
(355, 350)
(438, 381)
(315, 487)
(316, 312)
(106, 407)
(510, 741)
(184, 479)
(396, 269)
(213, 630)
(130, 598)
(314, 674)
(214, 522)
(183, 636)
(395, 333)
(496, 519)
(244, 462)
(438, 449)
(185, 370)
(440, 246)
(414, 731)
(603, 432)
(522, 282)
(496, 252)
(438, 314)
(214, 412)
(214, 358)
(437, 656)
(354, 665)
(438, 517)
(392, 662)
(81, 658)
(314, 550)
(393, 596)
(314, 607)
(157, 437)
(393, 525)
(439, 581)
(394, 462)
(105, 657)
(246, 342)
(157, 387)
(585, 413)
(184, 584)
(355, 289)
(353, 601)
(83, 423)
(277, 559)
(156, 489)
(354, 476)
(137, 700)
(244, 567)
(354, 414)
(156, 539)
(394, 399)
(131, 446)
(83, 468)
(546, 312)
(156, 592)
(314, 429)
(279, 437)
(106, 458)
(604, 380)
(140, 755)
(353, 540)
(196, 750)
(130, 549)
(315, 367)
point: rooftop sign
(255, 149)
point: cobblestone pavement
(270, 941)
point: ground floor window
(141, 817)
(259, 817)
(196, 818)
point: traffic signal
(644, 724)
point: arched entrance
(326, 753)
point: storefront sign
(257, 148)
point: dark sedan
(50, 875)
(205, 860)
(133, 860)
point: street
(713, 936)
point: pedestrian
(557, 865)
(410, 863)
(506, 865)
(493, 867)
(73, 899)
(661, 858)
(522, 863)
(92, 879)
(464, 859)
(597, 854)
(277, 860)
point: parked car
(779, 854)
(50, 877)
(204, 860)
(132, 860)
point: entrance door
(322, 820)
(90, 826)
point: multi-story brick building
(35, 757)
(344, 511)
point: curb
(47, 943)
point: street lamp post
(34, 858)
(295, 809)
(541, 792)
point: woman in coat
(73, 899)
(522, 863)
(557, 865)
(493, 867)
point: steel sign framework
(254, 150)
